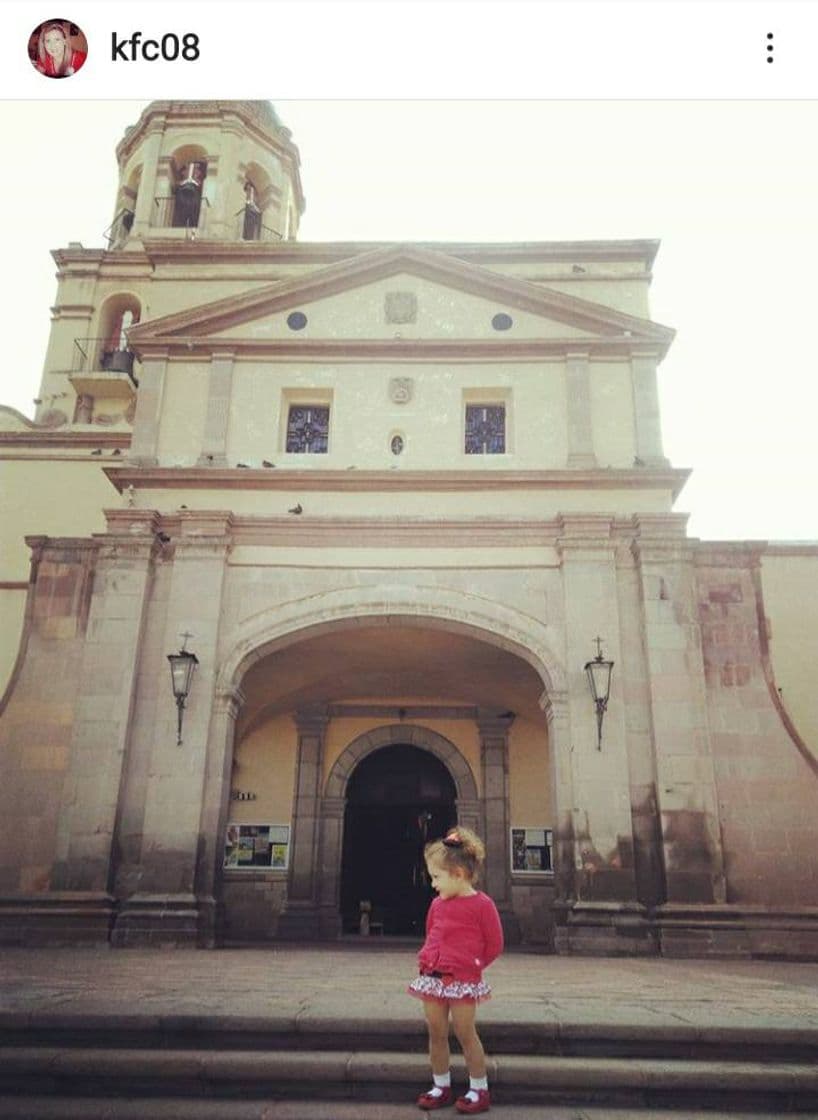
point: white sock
(442, 1081)
(476, 1083)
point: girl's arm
(492, 930)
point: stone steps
(64, 1072)
(576, 1039)
(175, 1108)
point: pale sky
(729, 188)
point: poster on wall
(531, 849)
(249, 846)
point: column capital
(555, 706)
(311, 720)
(229, 701)
(494, 723)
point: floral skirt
(445, 989)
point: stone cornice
(329, 252)
(37, 435)
(218, 478)
(396, 349)
(394, 713)
(385, 532)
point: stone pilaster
(215, 812)
(647, 420)
(686, 788)
(145, 439)
(493, 729)
(557, 713)
(301, 917)
(601, 914)
(331, 827)
(580, 426)
(165, 907)
(103, 704)
(220, 384)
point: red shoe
(430, 1103)
(482, 1104)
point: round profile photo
(57, 48)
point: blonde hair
(459, 849)
(68, 53)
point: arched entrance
(398, 798)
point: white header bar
(427, 49)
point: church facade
(395, 499)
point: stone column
(602, 909)
(145, 439)
(165, 909)
(215, 813)
(143, 214)
(331, 829)
(580, 427)
(300, 919)
(646, 410)
(494, 730)
(220, 383)
(557, 714)
(685, 780)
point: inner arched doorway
(398, 798)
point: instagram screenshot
(408, 558)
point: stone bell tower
(209, 172)
(220, 170)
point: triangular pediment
(400, 292)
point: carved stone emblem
(400, 389)
(401, 307)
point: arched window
(119, 229)
(121, 313)
(187, 197)
(251, 220)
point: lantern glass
(182, 665)
(599, 679)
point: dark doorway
(398, 798)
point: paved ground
(344, 985)
(338, 987)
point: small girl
(463, 936)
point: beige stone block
(46, 758)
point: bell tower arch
(219, 170)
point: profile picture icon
(57, 48)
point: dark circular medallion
(502, 322)
(296, 320)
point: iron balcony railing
(170, 212)
(100, 355)
(117, 232)
(250, 226)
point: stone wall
(767, 780)
(252, 901)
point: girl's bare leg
(463, 1015)
(437, 1020)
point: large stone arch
(333, 802)
(286, 623)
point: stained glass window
(485, 429)
(308, 428)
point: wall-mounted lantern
(599, 680)
(182, 667)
